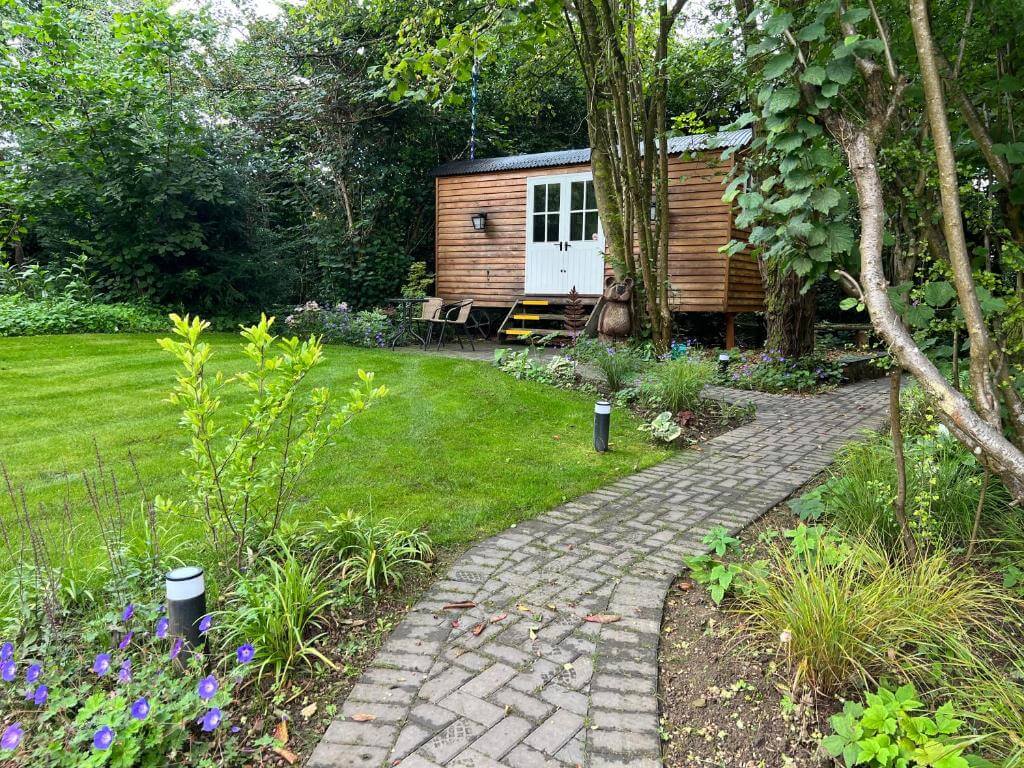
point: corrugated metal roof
(676, 145)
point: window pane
(576, 201)
(538, 228)
(554, 191)
(590, 201)
(591, 228)
(552, 227)
(538, 198)
(576, 226)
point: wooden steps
(534, 317)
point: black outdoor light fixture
(723, 363)
(186, 603)
(602, 425)
(479, 221)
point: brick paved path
(543, 687)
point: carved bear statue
(614, 322)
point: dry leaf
(460, 606)
(498, 617)
(478, 628)
(455, 624)
(287, 754)
(353, 622)
(685, 586)
(363, 717)
(533, 632)
(551, 606)
(603, 618)
(281, 732)
(308, 712)
(523, 607)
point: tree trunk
(789, 314)
(896, 430)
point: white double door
(564, 241)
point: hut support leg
(730, 330)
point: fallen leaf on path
(289, 756)
(281, 732)
(498, 617)
(603, 618)
(455, 624)
(308, 712)
(478, 628)
(461, 605)
(533, 632)
(363, 717)
(523, 607)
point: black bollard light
(723, 364)
(186, 604)
(602, 425)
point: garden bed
(721, 692)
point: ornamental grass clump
(846, 614)
(676, 384)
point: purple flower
(176, 648)
(6, 652)
(211, 719)
(129, 611)
(101, 664)
(32, 673)
(8, 671)
(245, 653)
(161, 628)
(207, 687)
(125, 674)
(140, 709)
(103, 738)
(125, 641)
(205, 623)
(40, 695)
(12, 737)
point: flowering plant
(118, 703)
(772, 372)
(341, 324)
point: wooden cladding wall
(746, 289)
(489, 266)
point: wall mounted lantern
(479, 221)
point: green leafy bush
(676, 384)
(719, 576)
(558, 370)
(341, 325)
(893, 730)
(280, 609)
(944, 482)
(24, 316)
(847, 614)
(243, 481)
(663, 427)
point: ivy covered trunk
(789, 314)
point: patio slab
(522, 678)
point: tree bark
(987, 441)
(789, 314)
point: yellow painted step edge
(518, 332)
(535, 302)
(526, 317)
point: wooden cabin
(522, 231)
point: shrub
(339, 324)
(558, 370)
(417, 281)
(243, 481)
(280, 611)
(944, 482)
(23, 316)
(894, 730)
(676, 384)
(768, 372)
(848, 615)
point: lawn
(457, 447)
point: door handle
(568, 246)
